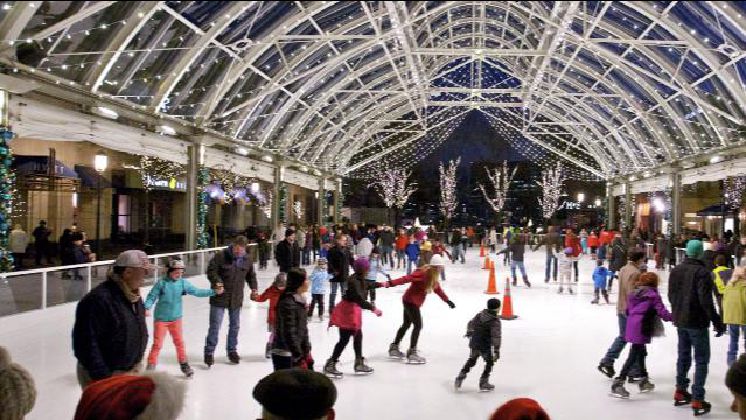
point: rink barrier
(89, 269)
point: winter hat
(132, 258)
(735, 378)
(297, 394)
(280, 280)
(694, 248)
(17, 391)
(426, 246)
(361, 265)
(154, 395)
(520, 409)
(493, 304)
(321, 261)
(175, 264)
(437, 261)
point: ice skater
(291, 347)
(423, 281)
(168, 293)
(565, 270)
(485, 334)
(271, 294)
(600, 276)
(376, 267)
(348, 317)
(319, 284)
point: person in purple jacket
(643, 305)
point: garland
(282, 202)
(7, 181)
(203, 205)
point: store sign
(570, 205)
(167, 184)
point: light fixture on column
(581, 197)
(659, 205)
(597, 202)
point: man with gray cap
(110, 335)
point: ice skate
(594, 301)
(618, 390)
(234, 358)
(569, 289)
(560, 291)
(701, 407)
(646, 386)
(394, 352)
(361, 367)
(485, 385)
(459, 380)
(526, 282)
(267, 351)
(150, 367)
(187, 370)
(415, 359)
(681, 397)
(515, 283)
(606, 369)
(209, 360)
(330, 369)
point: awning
(38, 165)
(713, 210)
(90, 178)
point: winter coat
(627, 277)
(690, 293)
(319, 281)
(516, 248)
(484, 331)
(287, 256)
(641, 304)
(109, 332)
(734, 303)
(376, 268)
(721, 275)
(168, 292)
(348, 314)
(605, 237)
(291, 327)
(401, 242)
(413, 252)
(79, 255)
(552, 242)
(708, 258)
(338, 264)
(224, 268)
(387, 238)
(18, 241)
(617, 256)
(300, 238)
(364, 247)
(417, 292)
(456, 238)
(600, 277)
(572, 241)
(564, 265)
(593, 241)
(271, 294)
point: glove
(387, 284)
(377, 311)
(451, 304)
(497, 354)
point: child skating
(600, 277)
(168, 293)
(565, 269)
(485, 333)
(272, 294)
(319, 285)
(376, 268)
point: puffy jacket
(364, 247)
(271, 294)
(484, 331)
(338, 264)
(168, 292)
(417, 292)
(224, 268)
(376, 268)
(640, 301)
(593, 240)
(690, 293)
(319, 281)
(109, 332)
(734, 303)
(617, 255)
(291, 327)
(573, 242)
(401, 242)
(412, 251)
(600, 277)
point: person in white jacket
(18, 244)
(364, 248)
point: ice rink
(549, 353)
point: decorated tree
(394, 187)
(500, 178)
(733, 188)
(448, 196)
(154, 170)
(551, 189)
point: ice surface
(549, 353)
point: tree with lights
(551, 188)
(394, 187)
(733, 188)
(448, 196)
(500, 178)
(153, 169)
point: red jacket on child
(272, 294)
(417, 292)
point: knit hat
(735, 378)
(280, 280)
(297, 394)
(132, 258)
(175, 264)
(694, 248)
(17, 391)
(437, 261)
(154, 395)
(493, 304)
(520, 409)
(321, 260)
(361, 265)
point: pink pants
(159, 333)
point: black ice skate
(209, 360)
(187, 370)
(234, 358)
(361, 367)
(618, 390)
(485, 385)
(526, 282)
(394, 352)
(645, 385)
(330, 369)
(606, 369)
(415, 359)
(681, 397)
(701, 407)
(459, 380)
(267, 351)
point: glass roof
(611, 87)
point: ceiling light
(105, 112)
(165, 130)
(242, 151)
(267, 158)
(716, 159)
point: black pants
(18, 260)
(575, 268)
(281, 362)
(316, 298)
(412, 316)
(636, 357)
(603, 292)
(371, 291)
(472, 360)
(344, 338)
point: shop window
(124, 220)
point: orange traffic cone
(486, 264)
(507, 313)
(492, 283)
(492, 264)
(481, 251)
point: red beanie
(520, 409)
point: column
(321, 201)
(610, 207)
(337, 200)
(628, 206)
(190, 215)
(279, 178)
(6, 182)
(675, 184)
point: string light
(448, 196)
(500, 180)
(552, 180)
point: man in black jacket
(229, 268)
(110, 335)
(457, 251)
(290, 345)
(287, 253)
(690, 293)
(553, 242)
(338, 265)
(387, 246)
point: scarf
(132, 296)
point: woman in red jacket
(272, 294)
(593, 243)
(573, 241)
(423, 281)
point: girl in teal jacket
(168, 291)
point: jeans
(409, 265)
(458, 253)
(401, 257)
(575, 269)
(618, 345)
(551, 261)
(519, 264)
(412, 317)
(612, 274)
(735, 332)
(216, 320)
(305, 255)
(333, 294)
(386, 257)
(699, 339)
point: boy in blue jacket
(600, 276)
(413, 253)
(168, 291)
(319, 285)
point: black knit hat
(297, 394)
(493, 304)
(735, 378)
